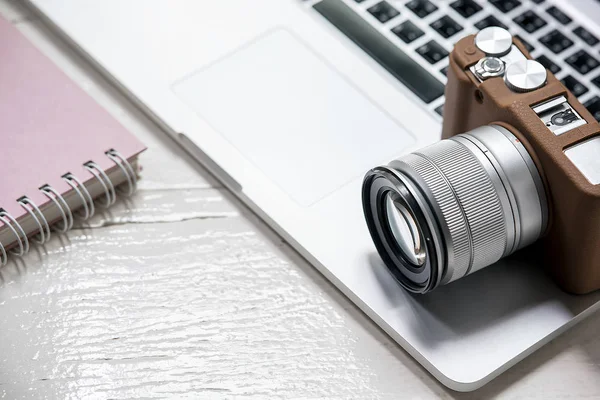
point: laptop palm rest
(293, 116)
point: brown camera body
(570, 247)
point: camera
(518, 165)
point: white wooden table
(180, 292)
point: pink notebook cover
(48, 125)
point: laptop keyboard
(411, 39)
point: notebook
(60, 150)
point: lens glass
(404, 229)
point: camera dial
(525, 76)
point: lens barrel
(463, 204)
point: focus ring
(472, 212)
(457, 240)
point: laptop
(290, 102)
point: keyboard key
(530, 21)
(556, 41)
(558, 15)
(466, 8)
(421, 8)
(408, 32)
(490, 20)
(440, 110)
(445, 70)
(582, 62)
(432, 52)
(505, 5)
(446, 26)
(387, 54)
(383, 11)
(550, 66)
(528, 46)
(593, 106)
(574, 85)
(585, 36)
(596, 81)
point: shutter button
(489, 67)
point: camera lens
(404, 230)
(455, 207)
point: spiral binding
(126, 168)
(62, 205)
(84, 195)
(88, 208)
(24, 242)
(44, 230)
(109, 189)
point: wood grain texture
(180, 292)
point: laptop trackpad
(293, 116)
